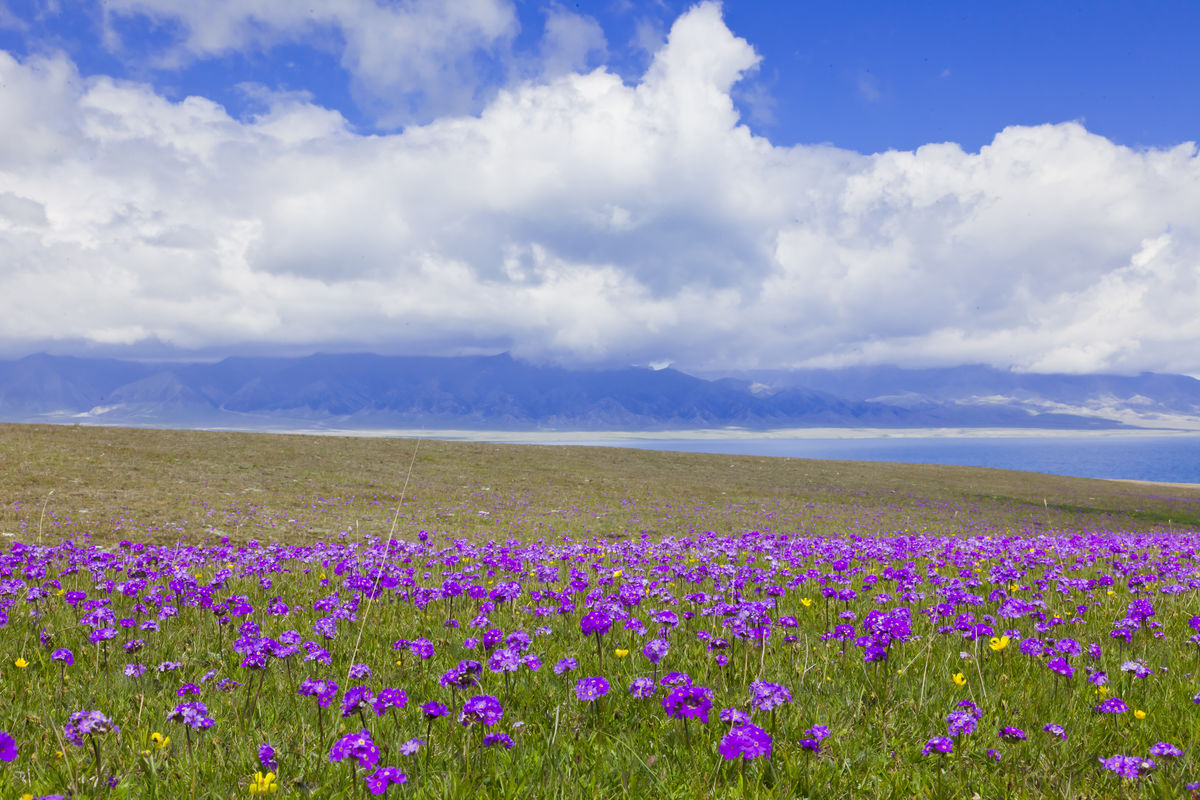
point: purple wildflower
(389, 698)
(434, 710)
(642, 688)
(1113, 705)
(1057, 730)
(379, 780)
(193, 714)
(483, 708)
(685, 702)
(769, 695)
(1128, 767)
(1011, 734)
(1163, 749)
(745, 741)
(942, 745)
(590, 689)
(86, 723)
(266, 757)
(359, 746)
(502, 739)
(8, 747)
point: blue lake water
(1149, 458)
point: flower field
(768, 665)
(949, 654)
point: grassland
(190, 485)
(582, 623)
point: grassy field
(211, 615)
(117, 483)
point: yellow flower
(998, 644)
(60, 592)
(959, 679)
(617, 574)
(621, 653)
(21, 663)
(1139, 714)
(1102, 690)
(160, 740)
(806, 601)
(27, 796)
(263, 784)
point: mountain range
(347, 391)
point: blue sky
(863, 76)
(737, 186)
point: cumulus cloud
(583, 218)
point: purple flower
(356, 699)
(1060, 665)
(504, 659)
(676, 679)
(942, 745)
(434, 710)
(769, 695)
(566, 665)
(961, 722)
(389, 698)
(1164, 749)
(1011, 734)
(745, 741)
(134, 670)
(359, 746)
(482, 708)
(379, 780)
(86, 723)
(818, 732)
(1055, 729)
(187, 689)
(8, 747)
(994, 755)
(686, 702)
(266, 757)
(1113, 705)
(411, 747)
(642, 688)
(323, 690)
(64, 655)
(595, 622)
(358, 672)
(502, 739)
(656, 650)
(1129, 767)
(193, 714)
(734, 715)
(591, 688)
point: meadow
(189, 614)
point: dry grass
(134, 483)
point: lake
(1174, 459)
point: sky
(753, 185)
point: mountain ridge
(376, 391)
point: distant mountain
(1149, 399)
(499, 392)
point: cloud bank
(576, 218)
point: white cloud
(411, 60)
(584, 218)
(571, 43)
